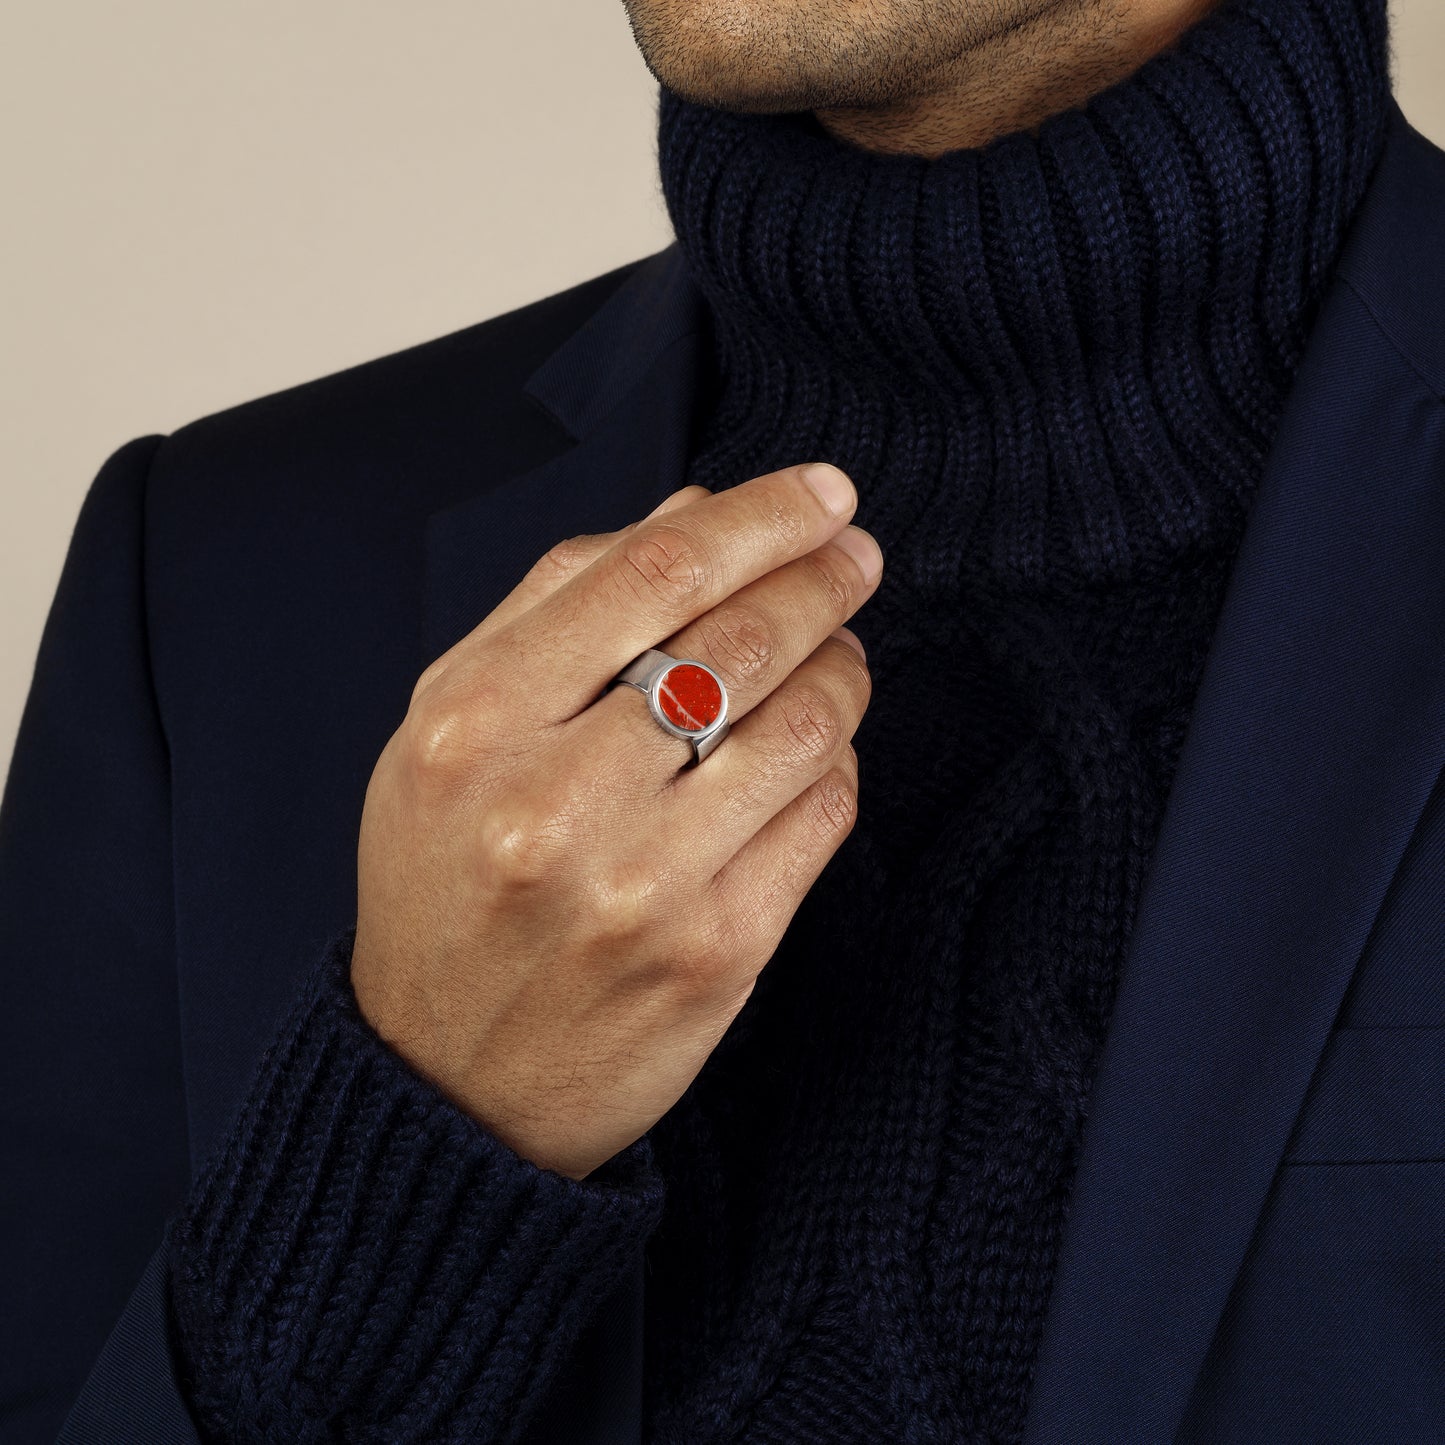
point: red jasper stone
(689, 696)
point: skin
(557, 920)
(915, 76)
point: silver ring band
(690, 707)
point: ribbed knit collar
(1073, 346)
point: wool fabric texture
(1054, 368)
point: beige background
(209, 202)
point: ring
(686, 697)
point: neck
(1015, 79)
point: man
(648, 1073)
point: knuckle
(701, 953)
(569, 555)
(835, 805)
(451, 725)
(439, 739)
(811, 723)
(738, 642)
(858, 676)
(516, 846)
(619, 902)
(832, 583)
(663, 563)
(430, 677)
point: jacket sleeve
(360, 1261)
(92, 1119)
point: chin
(762, 55)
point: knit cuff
(363, 1261)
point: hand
(557, 920)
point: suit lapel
(1318, 733)
(622, 385)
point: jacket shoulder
(287, 532)
(430, 412)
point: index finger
(671, 569)
(557, 566)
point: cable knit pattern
(1054, 367)
(364, 1263)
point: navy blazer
(1256, 1245)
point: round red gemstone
(689, 696)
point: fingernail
(851, 638)
(831, 485)
(861, 547)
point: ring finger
(794, 737)
(753, 640)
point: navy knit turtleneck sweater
(1054, 368)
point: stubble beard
(779, 56)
